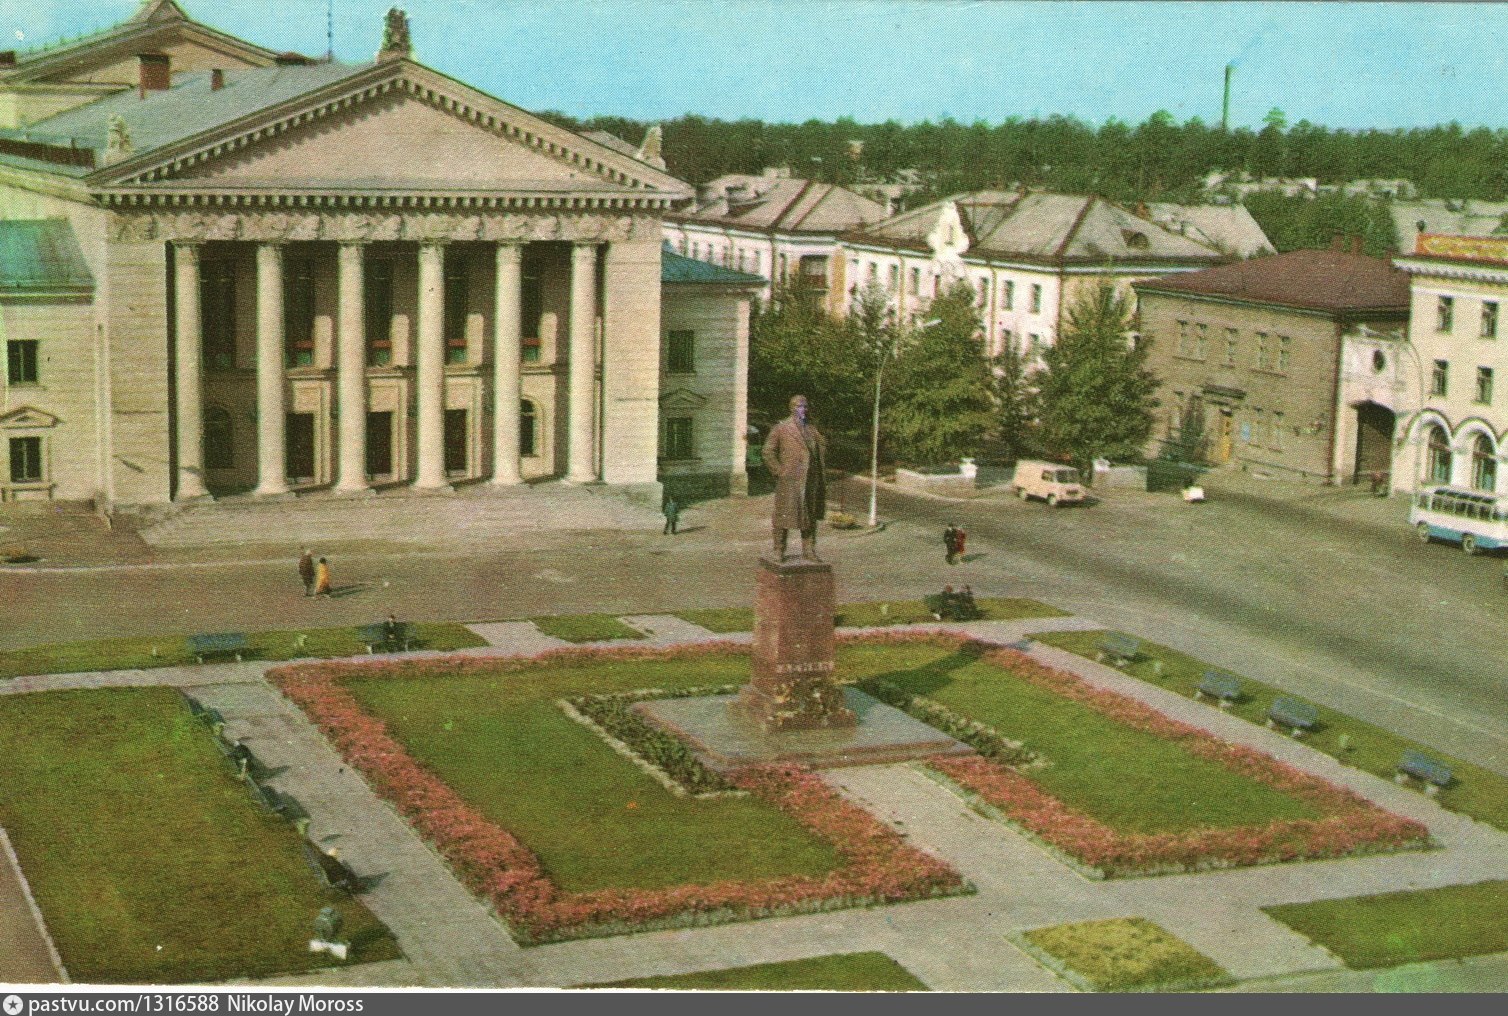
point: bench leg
(238, 657)
(1198, 695)
(1296, 733)
(1430, 790)
(1271, 725)
(1225, 703)
(1402, 779)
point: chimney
(7, 58)
(156, 72)
(216, 79)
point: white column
(507, 351)
(581, 464)
(189, 350)
(430, 361)
(351, 370)
(272, 459)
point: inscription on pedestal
(792, 686)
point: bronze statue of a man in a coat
(795, 455)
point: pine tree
(940, 405)
(1097, 395)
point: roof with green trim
(676, 268)
(42, 256)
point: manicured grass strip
(1093, 758)
(722, 620)
(1476, 791)
(863, 971)
(1406, 927)
(173, 650)
(877, 614)
(488, 735)
(149, 860)
(1121, 954)
(585, 627)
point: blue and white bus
(1475, 520)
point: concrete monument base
(724, 737)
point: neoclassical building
(234, 271)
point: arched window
(1484, 465)
(528, 430)
(1439, 454)
(219, 439)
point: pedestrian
(950, 543)
(322, 578)
(960, 537)
(306, 571)
(672, 516)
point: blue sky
(1338, 64)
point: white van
(1054, 482)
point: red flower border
(879, 867)
(1351, 824)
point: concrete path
(520, 638)
(27, 955)
(667, 629)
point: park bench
(1434, 775)
(1223, 688)
(1119, 650)
(1295, 715)
(206, 644)
(332, 871)
(386, 638)
(952, 606)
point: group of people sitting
(949, 605)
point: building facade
(779, 227)
(1250, 360)
(1026, 254)
(255, 273)
(1454, 426)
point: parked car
(1053, 482)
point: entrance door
(1374, 440)
(1225, 442)
(300, 439)
(379, 444)
(455, 441)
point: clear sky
(1337, 64)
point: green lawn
(864, 971)
(1093, 760)
(1477, 792)
(1406, 927)
(148, 859)
(585, 627)
(173, 650)
(1123, 954)
(594, 819)
(738, 619)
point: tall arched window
(219, 439)
(1439, 454)
(1484, 465)
(528, 418)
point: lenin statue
(794, 454)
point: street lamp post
(882, 356)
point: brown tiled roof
(1325, 280)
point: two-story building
(1250, 361)
(1457, 431)
(228, 270)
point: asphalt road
(1365, 618)
(1360, 617)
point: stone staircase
(470, 516)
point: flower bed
(1351, 825)
(1120, 954)
(667, 759)
(879, 867)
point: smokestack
(1225, 105)
(216, 79)
(156, 72)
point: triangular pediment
(391, 127)
(682, 400)
(28, 418)
(392, 140)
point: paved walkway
(448, 938)
(26, 953)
